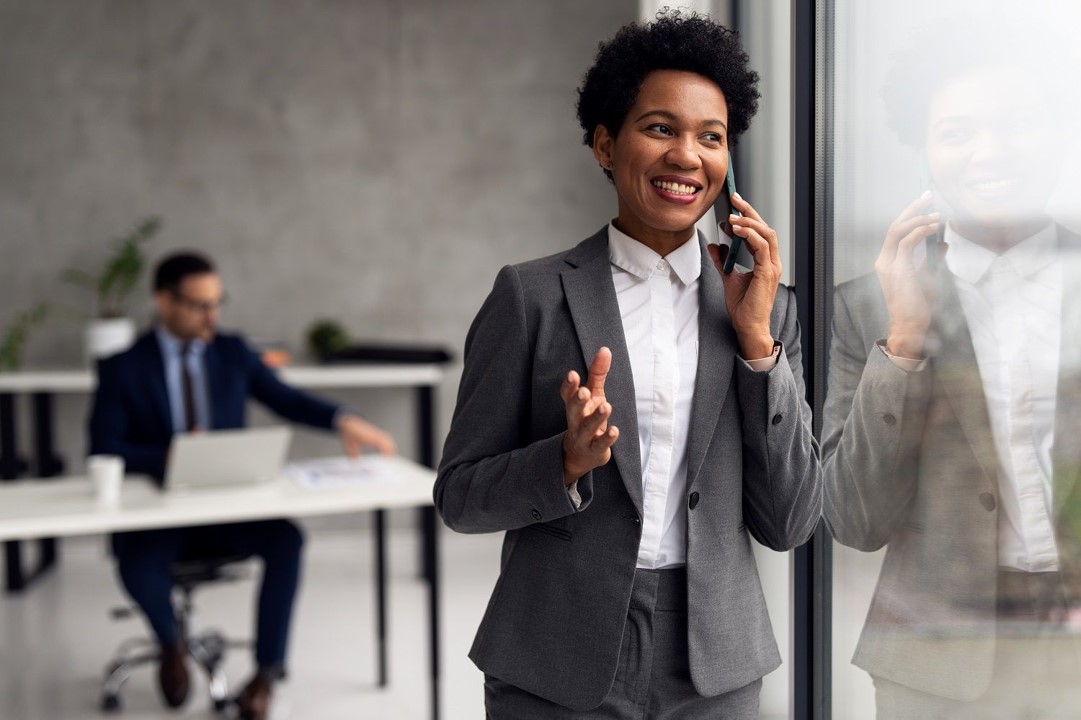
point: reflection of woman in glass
(950, 434)
(628, 588)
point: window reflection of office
(948, 425)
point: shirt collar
(970, 261)
(172, 345)
(641, 261)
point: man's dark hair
(674, 41)
(172, 270)
(941, 52)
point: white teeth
(994, 186)
(677, 188)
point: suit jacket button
(693, 503)
(889, 419)
(536, 515)
(988, 501)
(777, 419)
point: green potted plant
(13, 339)
(326, 338)
(110, 330)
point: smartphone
(738, 254)
(933, 243)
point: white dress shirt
(1013, 305)
(658, 303)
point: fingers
(914, 208)
(598, 370)
(761, 239)
(569, 387)
(753, 221)
(745, 207)
(594, 421)
(904, 247)
(602, 444)
(357, 434)
(910, 218)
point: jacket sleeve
(871, 432)
(491, 477)
(110, 424)
(288, 402)
(782, 477)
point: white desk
(423, 378)
(62, 507)
(44, 384)
(310, 377)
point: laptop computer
(226, 457)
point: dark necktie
(187, 388)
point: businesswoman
(630, 417)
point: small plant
(13, 340)
(118, 278)
(326, 337)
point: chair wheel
(110, 703)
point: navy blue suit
(131, 418)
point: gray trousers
(653, 680)
(1037, 673)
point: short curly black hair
(941, 52)
(674, 41)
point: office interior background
(376, 163)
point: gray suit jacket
(910, 464)
(555, 620)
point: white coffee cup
(106, 472)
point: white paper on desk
(342, 472)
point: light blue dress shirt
(171, 353)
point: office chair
(207, 649)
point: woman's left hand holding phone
(749, 296)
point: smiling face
(993, 152)
(669, 159)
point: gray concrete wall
(375, 162)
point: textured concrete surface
(374, 162)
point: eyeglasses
(199, 306)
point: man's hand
(749, 296)
(908, 288)
(588, 441)
(357, 434)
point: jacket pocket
(552, 530)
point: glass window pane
(951, 423)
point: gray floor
(56, 639)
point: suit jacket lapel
(1066, 448)
(717, 350)
(591, 297)
(213, 383)
(958, 375)
(155, 380)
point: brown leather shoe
(173, 676)
(254, 700)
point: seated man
(185, 376)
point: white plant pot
(107, 337)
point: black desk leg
(431, 542)
(379, 517)
(429, 561)
(15, 578)
(426, 457)
(47, 465)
